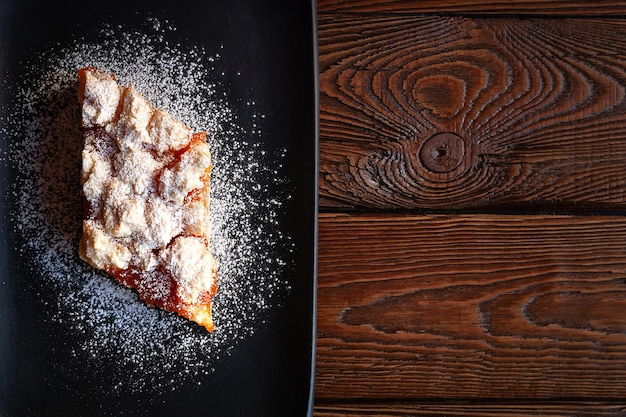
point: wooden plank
(451, 409)
(463, 113)
(546, 7)
(471, 307)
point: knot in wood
(442, 152)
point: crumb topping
(100, 97)
(185, 259)
(145, 180)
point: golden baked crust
(146, 180)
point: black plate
(266, 74)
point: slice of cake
(145, 180)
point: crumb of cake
(146, 184)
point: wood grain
(451, 409)
(481, 307)
(546, 7)
(539, 106)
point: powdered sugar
(157, 349)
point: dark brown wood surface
(526, 7)
(471, 307)
(472, 235)
(533, 108)
(465, 409)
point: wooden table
(472, 228)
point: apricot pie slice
(146, 180)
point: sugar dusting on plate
(153, 348)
